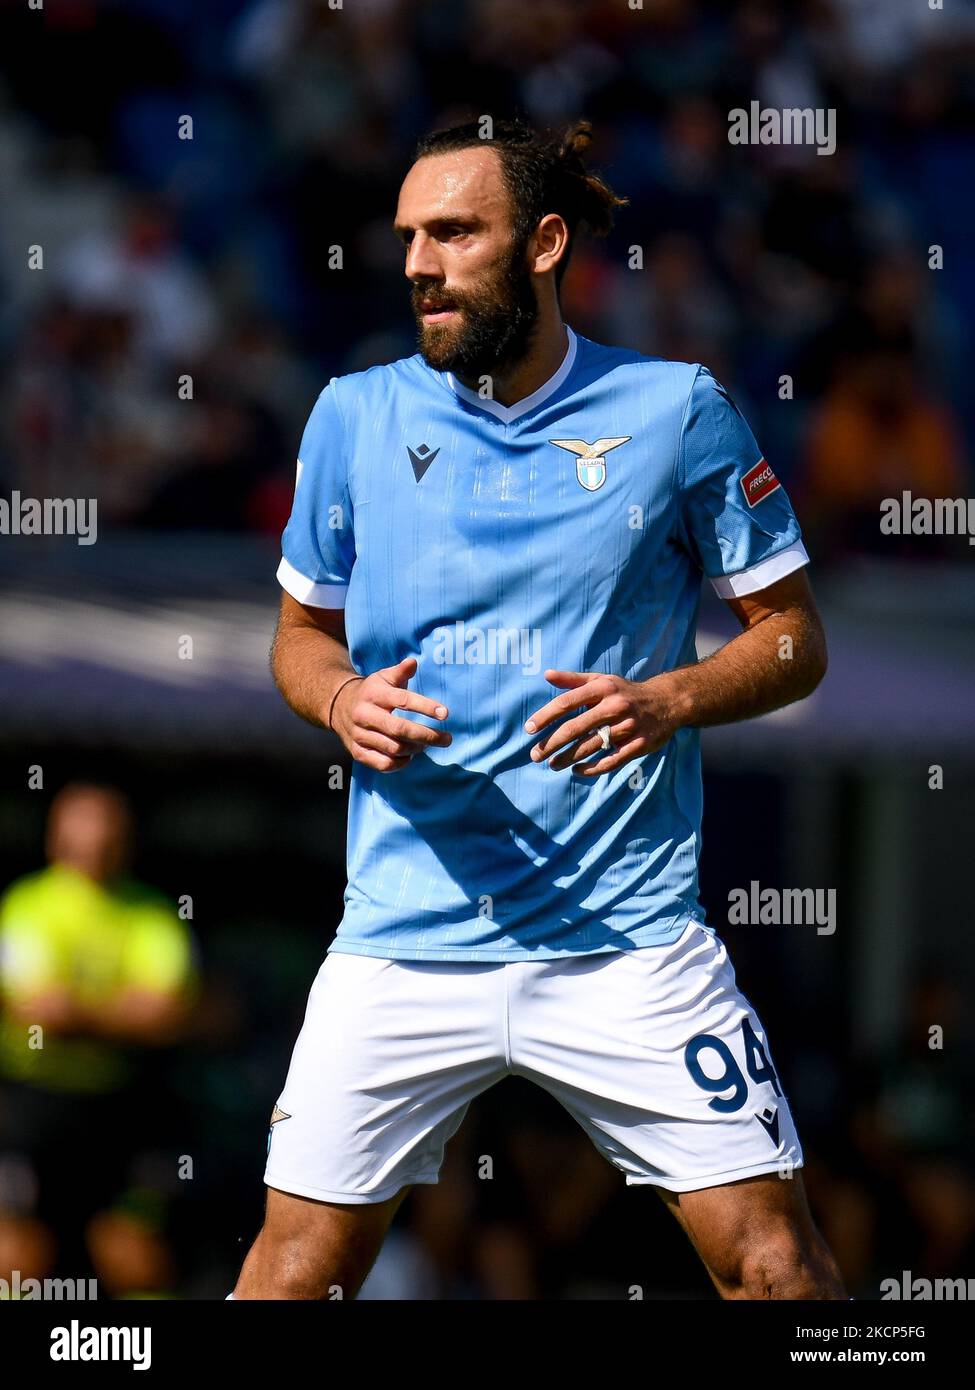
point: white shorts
(655, 1051)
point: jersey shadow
(487, 849)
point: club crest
(590, 460)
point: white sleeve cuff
(305, 590)
(761, 575)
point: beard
(495, 323)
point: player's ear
(550, 243)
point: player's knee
(293, 1266)
(781, 1264)
(771, 1267)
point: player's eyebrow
(436, 223)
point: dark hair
(543, 172)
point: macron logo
(421, 459)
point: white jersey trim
(306, 590)
(761, 575)
(507, 413)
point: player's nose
(421, 260)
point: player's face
(473, 297)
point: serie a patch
(758, 482)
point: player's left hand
(641, 716)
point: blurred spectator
(141, 272)
(916, 1132)
(218, 256)
(876, 435)
(219, 484)
(94, 969)
(130, 1249)
(676, 308)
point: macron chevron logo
(769, 1120)
(421, 459)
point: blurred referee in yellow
(94, 967)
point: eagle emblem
(590, 460)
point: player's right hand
(364, 719)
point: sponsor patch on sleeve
(758, 482)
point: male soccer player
(512, 509)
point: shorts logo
(769, 1120)
(758, 482)
(276, 1114)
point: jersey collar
(507, 413)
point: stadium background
(210, 257)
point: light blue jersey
(491, 542)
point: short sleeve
(29, 960)
(160, 955)
(735, 518)
(318, 545)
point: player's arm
(737, 525)
(310, 657)
(777, 658)
(313, 670)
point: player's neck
(540, 363)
